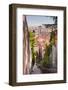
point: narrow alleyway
(36, 70)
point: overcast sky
(39, 20)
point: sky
(34, 20)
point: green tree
(48, 49)
(32, 43)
